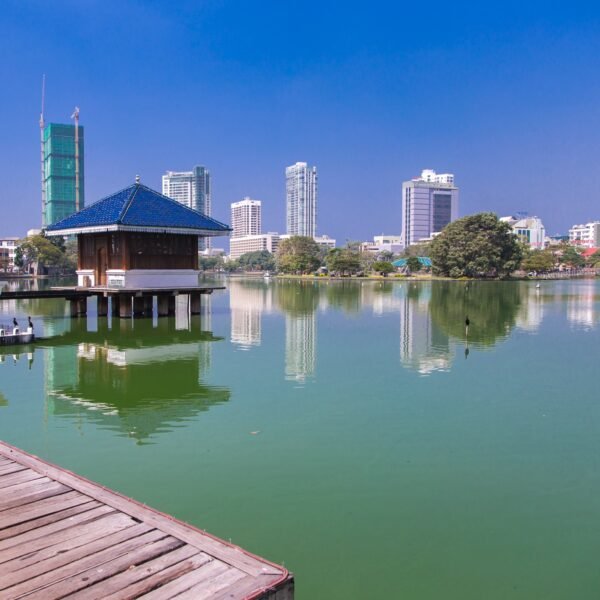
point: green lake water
(351, 430)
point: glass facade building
(60, 173)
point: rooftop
(139, 208)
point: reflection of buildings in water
(382, 297)
(423, 346)
(300, 346)
(138, 388)
(582, 300)
(247, 301)
(531, 310)
(60, 363)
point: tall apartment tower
(59, 157)
(301, 196)
(246, 217)
(192, 188)
(429, 203)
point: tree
(385, 256)
(571, 257)
(413, 264)
(261, 260)
(343, 261)
(210, 263)
(540, 261)
(298, 254)
(476, 246)
(39, 249)
(383, 267)
(420, 249)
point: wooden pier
(64, 536)
(124, 303)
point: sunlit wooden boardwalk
(64, 536)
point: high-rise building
(63, 173)
(191, 188)
(246, 217)
(429, 203)
(238, 246)
(301, 196)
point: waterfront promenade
(62, 535)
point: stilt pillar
(102, 306)
(163, 305)
(115, 303)
(148, 305)
(138, 306)
(195, 303)
(78, 306)
(124, 306)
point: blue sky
(506, 95)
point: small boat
(15, 336)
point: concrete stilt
(195, 303)
(78, 307)
(102, 306)
(114, 301)
(163, 305)
(124, 306)
(148, 305)
(138, 306)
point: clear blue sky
(506, 95)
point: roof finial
(137, 178)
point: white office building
(429, 203)
(301, 198)
(529, 229)
(191, 188)
(324, 241)
(246, 217)
(253, 243)
(8, 250)
(587, 236)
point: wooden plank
(110, 568)
(83, 559)
(185, 582)
(206, 589)
(62, 541)
(28, 496)
(250, 586)
(48, 506)
(41, 537)
(16, 478)
(23, 485)
(11, 468)
(9, 532)
(230, 554)
(142, 578)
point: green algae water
(358, 432)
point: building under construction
(62, 171)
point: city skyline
(369, 119)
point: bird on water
(29, 322)
(15, 322)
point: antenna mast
(75, 116)
(42, 125)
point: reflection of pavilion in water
(424, 347)
(139, 380)
(247, 301)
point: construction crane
(75, 116)
(42, 125)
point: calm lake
(354, 431)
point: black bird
(467, 322)
(29, 322)
(15, 322)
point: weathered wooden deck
(64, 536)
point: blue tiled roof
(139, 206)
